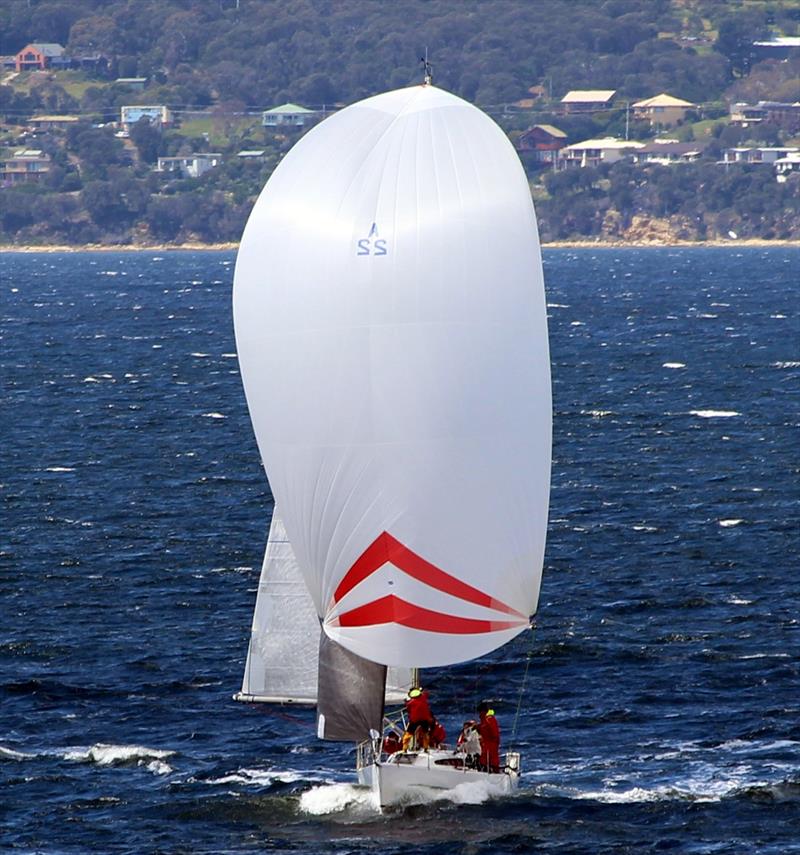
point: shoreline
(557, 244)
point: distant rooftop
(288, 108)
(582, 96)
(664, 100)
(47, 48)
(780, 41)
(552, 130)
(605, 142)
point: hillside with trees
(218, 64)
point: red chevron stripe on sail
(386, 549)
(391, 609)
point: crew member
(489, 731)
(420, 719)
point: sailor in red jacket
(420, 718)
(489, 731)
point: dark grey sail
(350, 694)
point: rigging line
(528, 658)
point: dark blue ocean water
(661, 710)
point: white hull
(396, 778)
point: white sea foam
(200, 355)
(714, 414)
(257, 778)
(116, 755)
(59, 469)
(10, 754)
(789, 364)
(737, 601)
(730, 523)
(674, 365)
(334, 798)
(468, 793)
(214, 416)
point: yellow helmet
(414, 693)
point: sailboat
(392, 338)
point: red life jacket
(418, 708)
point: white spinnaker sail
(391, 329)
(282, 656)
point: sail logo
(391, 608)
(372, 244)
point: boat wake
(335, 798)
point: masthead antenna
(427, 69)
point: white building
(155, 114)
(594, 152)
(190, 165)
(287, 116)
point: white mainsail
(282, 655)
(391, 330)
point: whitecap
(59, 469)
(115, 755)
(730, 523)
(257, 778)
(786, 364)
(229, 355)
(737, 601)
(577, 324)
(714, 414)
(214, 416)
(674, 365)
(776, 317)
(597, 414)
(200, 355)
(10, 754)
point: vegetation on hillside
(218, 63)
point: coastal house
(746, 114)
(664, 111)
(756, 154)
(541, 143)
(587, 100)
(135, 84)
(252, 154)
(779, 113)
(38, 56)
(23, 166)
(190, 165)
(52, 123)
(667, 152)
(288, 116)
(595, 152)
(779, 47)
(155, 114)
(784, 166)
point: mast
(415, 678)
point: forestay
(391, 330)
